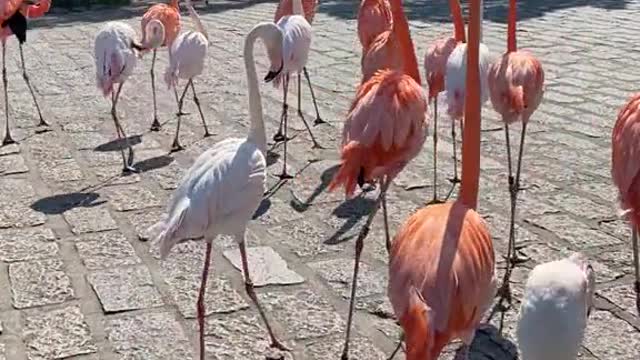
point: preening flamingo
(435, 67)
(285, 8)
(384, 130)
(224, 187)
(625, 171)
(374, 18)
(516, 87)
(168, 16)
(441, 266)
(14, 22)
(557, 302)
(186, 61)
(116, 57)
(454, 85)
(297, 42)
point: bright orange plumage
(384, 130)
(168, 15)
(285, 7)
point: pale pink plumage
(435, 64)
(374, 18)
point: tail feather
(352, 170)
(168, 228)
(517, 98)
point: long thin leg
(318, 120)
(435, 152)
(455, 179)
(279, 136)
(285, 110)
(176, 142)
(33, 95)
(359, 245)
(250, 291)
(119, 130)
(197, 101)
(636, 265)
(514, 189)
(200, 304)
(315, 142)
(155, 125)
(7, 134)
(386, 224)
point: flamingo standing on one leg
(441, 268)
(384, 130)
(297, 42)
(516, 87)
(435, 66)
(115, 54)
(285, 8)
(188, 53)
(169, 17)
(13, 20)
(454, 85)
(224, 187)
(625, 171)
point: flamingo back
(374, 18)
(435, 64)
(625, 152)
(187, 58)
(285, 7)
(516, 85)
(444, 251)
(114, 57)
(168, 15)
(384, 130)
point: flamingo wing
(625, 142)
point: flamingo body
(435, 64)
(114, 57)
(296, 45)
(385, 129)
(516, 85)
(168, 15)
(553, 315)
(188, 53)
(455, 78)
(445, 252)
(625, 168)
(285, 7)
(14, 14)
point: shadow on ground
(58, 204)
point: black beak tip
(270, 76)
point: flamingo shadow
(119, 144)
(325, 179)
(262, 209)
(58, 204)
(153, 163)
(353, 210)
(489, 344)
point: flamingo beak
(272, 74)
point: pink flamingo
(441, 268)
(14, 22)
(516, 88)
(625, 171)
(374, 18)
(384, 130)
(435, 66)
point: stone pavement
(78, 280)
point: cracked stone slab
(182, 271)
(12, 164)
(609, 337)
(17, 214)
(132, 197)
(152, 336)
(338, 273)
(57, 334)
(89, 219)
(142, 220)
(15, 189)
(123, 289)
(112, 175)
(360, 348)
(266, 267)
(27, 244)
(39, 282)
(624, 296)
(313, 316)
(60, 170)
(108, 251)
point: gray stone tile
(27, 244)
(142, 220)
(12, 164)
(89, 219)
(266, 267)
(339, 273)
(15, 189)
(360, 348)
(608, 337)
(152, 336)
(60, 170)
(122, 289)
(18, 214)
(39, 282)
(132, 197)
(107, 251)
(57, 334)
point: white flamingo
(115, 54)
(454, 85)
(557, 302)
(297, 42)
(225, 185)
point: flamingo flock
(442, 259)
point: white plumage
(455, 78)
(553, 316)
(225, 185)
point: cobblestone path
(78, 280)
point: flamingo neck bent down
(256, 131)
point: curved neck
(472, 110)
(297, 8)
(511, 27)
(256, 131)
(401, 30)
(174, 3)
(196, 20)
(458, 21)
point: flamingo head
(583, 263)
(415, 323)
(273, 42)
(154, 35)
